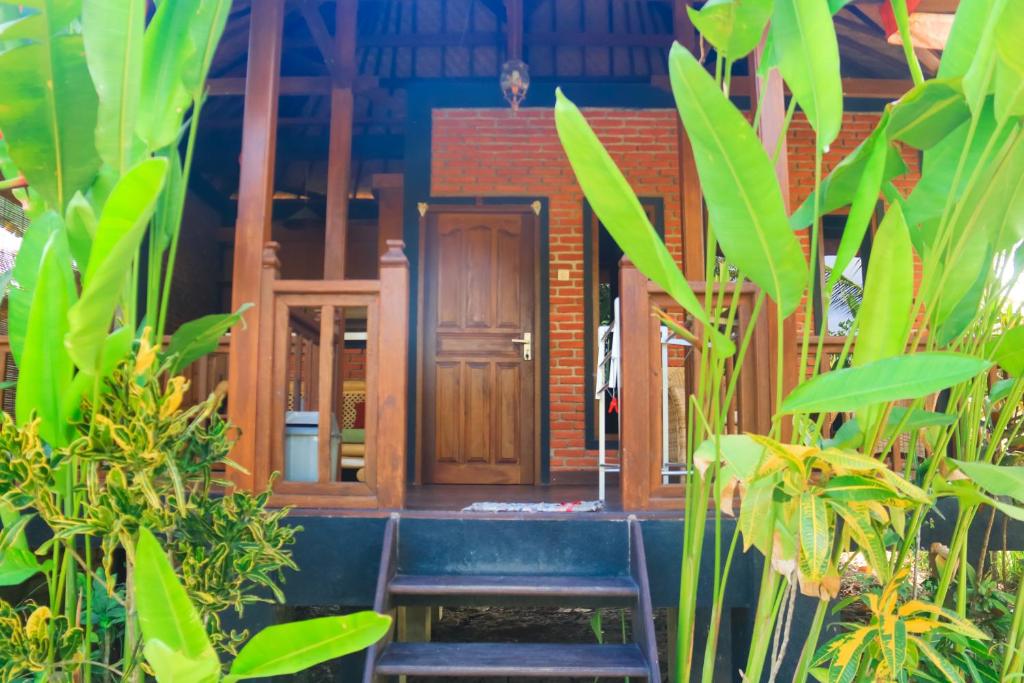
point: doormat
(573, 506)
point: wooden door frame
(536, 206)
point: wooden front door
(480, 301)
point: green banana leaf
(738, 179)
(48, 115)
(734, 27)
(44, 373)
(890, 379)
(807, 53)
(286, 649)
(166, 615)
(621, 213)
(113, 31)
(121, 229)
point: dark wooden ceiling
(401, 41)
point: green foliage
(177, 647)
(745, 207)
(810, 495)
(93, 115)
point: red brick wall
(494, 152)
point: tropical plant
(925, 346)
(99, 114)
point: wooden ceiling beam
(290, 85)
(321, 37)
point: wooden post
(392, 376)
(773, 118)
(514, 26)
(390, 217)
(691, 200)
(339, 154)
(252, 230)
(265, 419)
(635, 446)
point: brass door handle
(527, 341)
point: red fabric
(889, 19)
(360, 421)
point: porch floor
(455, 497)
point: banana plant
(933, 322)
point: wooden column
(691, 200)
(770, 91)
(392, 376)
(390, 214)
(339, 154)
(263, 435)
(252, 230)
(636, 379)
(514, 26)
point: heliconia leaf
(205, 31)
(113, 31)
(755, 510)
(166, 614)
(847, 461)
(44, 373)
(286, 649)
(977, 80)
(928, 113)
(951, 673)
(199, 337)
(115, 350)
(166, 48)
(862, 208)
(888, 292)
(121, 229)
(621, 213)
(48, 113)
(1009, 98)
(962, 45)
(80, 221)
(999, 480)
(991, 218)
(171, 665)
(808, 58)
(852, 487)
(25, 276)
(890, 379)
(815, 543)
(1007, 350)
(739, 450)
(734, 27)
(853, 178)
(738, 179)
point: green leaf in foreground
(999, 480)
(289, 648)
(166, 615)
(621, 213)
(928, 113)
(199, 337)
(734, 27)
(738, 179)
(889, 379)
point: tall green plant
(945, 332)
(98, 115)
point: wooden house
(428, 282)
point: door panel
(479, 393)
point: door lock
(527, 342)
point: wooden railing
(301, 341)
(644, 483)
(203, 375)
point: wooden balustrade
(310, 318)
(203, 375)
(643, 483)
